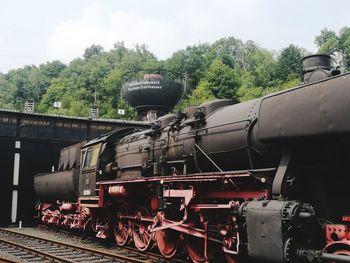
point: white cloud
(159, 35)
(70, 38)
(48, 29)
(197, 22)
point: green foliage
(222, 80)
(245, 93)
(200, 94)
(28, 83)
(336, 45)
(95, 79)
(327, 41)
(54, 93)
(93, 51)
(228, 50)
(130, 113)
(344, 46)
(289, 63)
(228, 68)
(193, 60)
(7, 96)
(260, 64)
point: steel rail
(6, 260)
(152, 255)
(34, 252)
(61, 258)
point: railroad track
(6, 260)
(109, 244)
(28, 248)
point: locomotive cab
(97, 163)
(90, 169)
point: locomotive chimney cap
(316, 61)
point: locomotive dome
(152, 94)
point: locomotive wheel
(87, 225)
(99, 222)
(121, 228)
(142, 236)
(195, 249)
(167, 241)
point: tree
(7, 89)
(244, 93)
(344, 46)
(228, 50)
(52, 69)
(200, 94)
(93, 51)
(289, 63)
(228, 68)
(222, 80)
(54, 93)
(194, 60)
(260, 64)
(327, 42)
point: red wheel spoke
(195, 249)
(142, 238)
(121, 228)
(167, 241)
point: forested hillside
(227, 68)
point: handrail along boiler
(263, 180)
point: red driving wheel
(143, 238)
(121, 228)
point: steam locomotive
(264, 180)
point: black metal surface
(42, 137)
(57, 128)
(152, 93)
(318, 74)
(70, 157)
(218, 136)
(36, 156)
(241, 136)
(57, 186)
(264, 229)
(6, 164)
(281, 174)
(318, 109)
(106, 148)
(317, 61)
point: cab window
(83, 154)
(87, 158)
(94, 158)
(90, 157)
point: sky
(37, 31)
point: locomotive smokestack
(316, 67)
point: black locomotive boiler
(263, 180)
